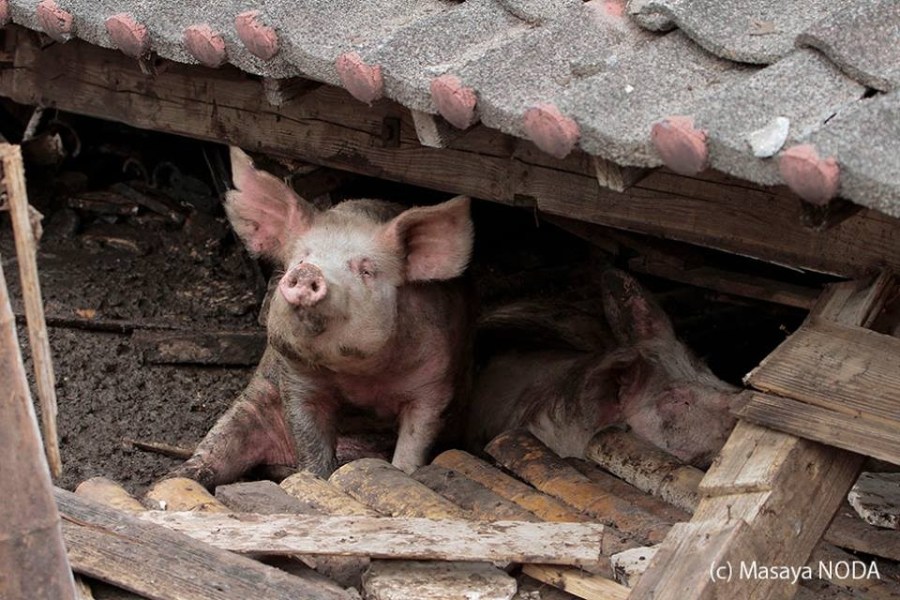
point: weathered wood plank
(32, 556)
(851, 370)
(328, 127)
(481, 502)
(324, 497)
(391, 580)
(865, 436)
(378, 484)
(646, 467)
(547, 508)
(629, 492)
(525, 455)
(847, 530)
(389, 537)
(739, 526)
(164, 565)
(578, 583)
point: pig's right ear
(436, 241)
(265, 213)
(632, 313)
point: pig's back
(379, 211)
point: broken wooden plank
(266, 497)
(847, 530)
(850, 370)
(433, 131)
(616, 177)
(876, 498)
(232, 348)
(390, 580)
(13, 172)
(646, 467)
(324, 497)
(629, 492)
(578, 583)
(854, 303)
(32, 556)
(525, 455)
(390, 537)
(161, 564)
(481, 502)
(182, 494)
(858, 434)
(326, 126)
(546, 507)
(387, 489)
(740, 525)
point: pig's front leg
(311, 415)
(250, 433)
(420, 423)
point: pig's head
(668, 396)
(336, 303)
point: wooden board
(391, 580)
(578, 583)
(547, 508)
(164, 565)
(382, 486)
(525, 455)
(865, 436)
(328, 127)
(388, 537)
(482, 503)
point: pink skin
(369, 312)
(642, 376)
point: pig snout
(303, 286)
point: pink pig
(370, 311)
(584, 373)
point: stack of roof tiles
(802, 92)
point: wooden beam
(546, 507)
(328, 127)
(525, 455)
(390, 537)
(871, 437)
(852, 371)
(379, 485)
(32, 556)
(161, 564)
(578, 583)
(767, 498)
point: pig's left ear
(265, 213)
(632, 313)
(435, 240)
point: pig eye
(364, 267)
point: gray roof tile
(564, 72)
(864, 40)
(617, 108)
(865, 140)
(752, 31)
(804, 87)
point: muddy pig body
(621, 365)
(369, 310)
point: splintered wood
(769, 496)
(13, 174)
(32, 556)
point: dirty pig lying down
(565, 374)
(369, 311)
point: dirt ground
(176, 266)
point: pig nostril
(314, 286)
